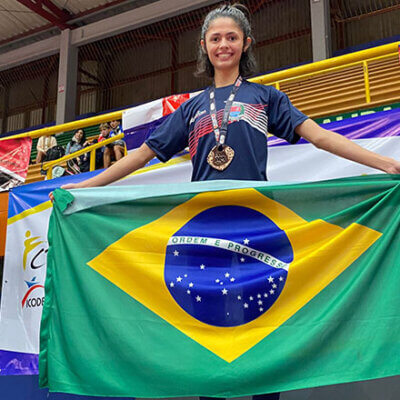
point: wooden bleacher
(34, 174)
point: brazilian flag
(222, 288)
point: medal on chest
(221, 155)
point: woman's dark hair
(240, 14)
(83, 140)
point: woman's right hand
(67, 186)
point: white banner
(26, 246)
(23, 283)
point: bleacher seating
(63, 139)
(343, 90)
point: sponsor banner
(29, 208)
(14, 162)
(24, 274)
(25, 261)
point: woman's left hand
(343, 147)
(393, 169)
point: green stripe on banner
(356, 113)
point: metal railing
(363, 63)
(48, 166)
(341, 61)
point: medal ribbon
(220, 131)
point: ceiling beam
(57, 18)
(61, 13)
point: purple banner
(377, 125)
(136, 135)
(372, 126)
(13, 363)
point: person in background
(119, 145)
(78, 142)
(116, 127)
(113, 150)
(44, 143)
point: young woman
(226, 126)
(78, 142)
(44, 143)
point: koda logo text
(34, 302)
(29, 300)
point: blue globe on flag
(227, 265)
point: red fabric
(171, 103)
(14, 157)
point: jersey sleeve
(170, 137)
(283, 117)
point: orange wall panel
(3, 221)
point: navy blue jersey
(257, 110)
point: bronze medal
(220, 156)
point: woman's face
(224, 43)
(79, 135)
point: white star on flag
(246, 241)
(190, 284)
(198, 298)
(270, 279)
(202, 266)
(172, 284)
(179, 279)
(245, 305)
(224, 291)
(227, 275)
(176, 253)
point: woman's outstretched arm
(343, 147)
(125, 166)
